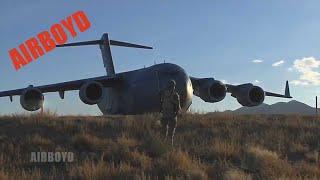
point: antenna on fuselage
(105, 44)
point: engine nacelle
(210, 90)
(91, 92)
(249, 95)
(32, 99)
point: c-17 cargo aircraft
(138, 91)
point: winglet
(287, 91)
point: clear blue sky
(217, 39)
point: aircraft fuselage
(140, 91)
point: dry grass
(236, 174)
(207, 146)
(266, 163)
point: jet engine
(91, 92)
(210, 90)
(249, 95)
(31, 99)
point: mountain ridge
(291, 107)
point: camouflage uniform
(170, 107)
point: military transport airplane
(136, 92)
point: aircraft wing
(233, 88)
(211, 90)
(106, 81)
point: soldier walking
(170, 107)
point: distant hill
(291, 107)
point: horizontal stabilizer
(99, 42)
(83, 43)
(105, 47)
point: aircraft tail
(105, 44)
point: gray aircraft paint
(140, 90)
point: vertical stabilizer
(106, 54)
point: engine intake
(249, 95)
(31, 99)
(210, 90)
(91, 92)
